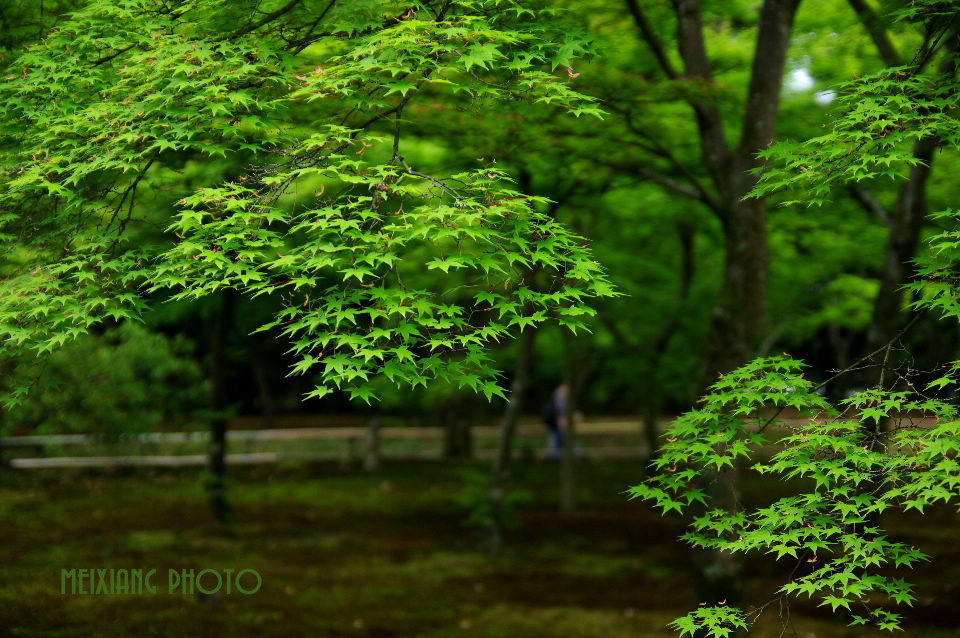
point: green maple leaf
(480, 55)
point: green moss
(354, 555)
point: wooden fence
(614, 438)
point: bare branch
(654, 147)
(874, 26)
(653, 41)
(673, 185)
(267, 19)
(695, 191)
(870, 204)
(310, 38)
(713, 140)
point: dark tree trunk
(905, 226)
(738, 318)
(371, 458)
(259, 369)
(216, 460)
(718, 573)
(574, 379)
(737, 322)
(652, 408)
(458, 439)
(905, 223)
(508, 426)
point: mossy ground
(346, 554)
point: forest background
(166, 162)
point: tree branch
(267, 19)
(874, 26)
(654, 147)
(114, 55)
(693, 51)
(853, 366)
(309, 38)
(670, 184)
(870, 204)
(652, 40)
(674, 186)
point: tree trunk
(651, 427)
(568, 484)
(905, 225)
(508, 425)
(737, 321)
(906, 220)
(738, 318)
(371, 459)
(216, 459)
(735, 332)
(259, 369)
(718, 573)
(458, 440)
(736, 325)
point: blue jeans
(556, 443)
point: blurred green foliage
(126, 380)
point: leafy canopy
(319, 207)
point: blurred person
(555, 418)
